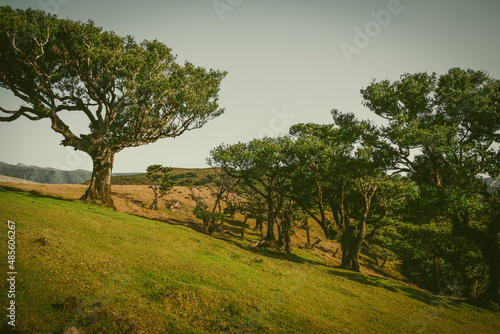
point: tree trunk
(258, 223)
(286, 235)
(351, 247)
(280, 242)
(353, 237)
(308, 233)
(154, 205)
(489, 247)
(271, 218)
(243, 227)
(99, 190)
(261, 226)
(437, 288)
(217, 203)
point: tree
(261, 166)
(220, 185)
(250, 205)
(131, 93)
(340, 165)
(444, 132)
(162, 182)
(211, 220)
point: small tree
(220, 185)
(211, 220)
(162, 180)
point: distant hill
(44, 174)
(4, 178)
(183, 176)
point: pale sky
(289, 61)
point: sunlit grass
(146, 276)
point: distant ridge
(184, 176)
(4, 178)
(44, 174)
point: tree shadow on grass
(233, 227)
(273, 253)
(395, 287)
(130, 199)
(172, 221)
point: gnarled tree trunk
(154, 205)
(352, 239)
(270, 239)
(491, 253)
(242, 231)
(99, 190)
(306, 226)
(350, 243)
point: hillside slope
(107, 272)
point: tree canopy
(162, 182)
(412, 187)
(444, 133)
(131, 93)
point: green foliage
(342, 165)
(161, 176)
(211, 220)
(433, 257)
(260, 166)
(151, 91)
(181, 176)
(131, 93)
(187, 179)
(444, 132)
(162, 182)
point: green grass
(152, 277)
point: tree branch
(23, 111)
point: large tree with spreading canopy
(131, 93)
(444, 132)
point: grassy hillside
(135, 275)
